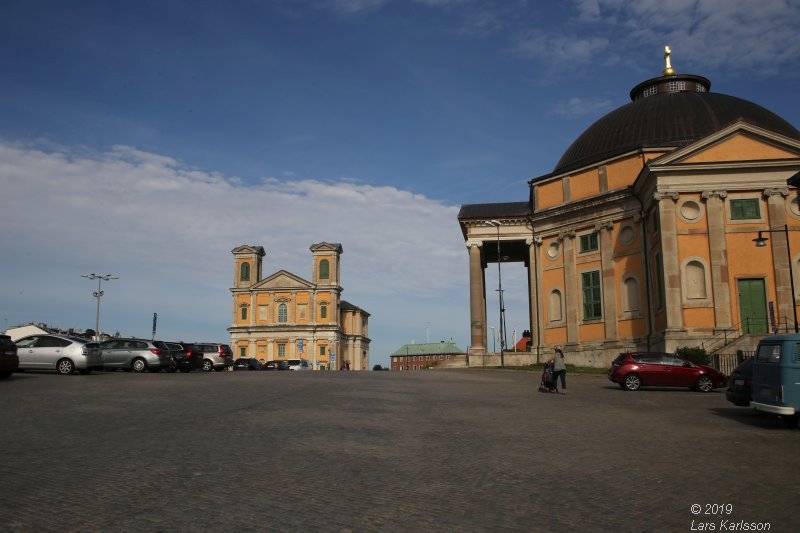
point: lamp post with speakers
(761, 242)
(98, 294)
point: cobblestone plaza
(448, 450)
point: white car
(58, 352)
(299, 364)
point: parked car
(62, 353)
(9, 361)
(299, 364)
(275, 365)
(215, 356)
(641, 369)
(740, 389)
(138, 355)
(186, 357)
(246, 363)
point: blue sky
(148, 139)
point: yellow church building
(283, 316)
(667, 223)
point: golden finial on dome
(668, 70)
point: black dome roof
(665, 119)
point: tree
(377, 367)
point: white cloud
(167, 230)
(352, 7)
(705, 34)
(560, 50)
(575, 106)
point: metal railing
(726, 362)
(750, 326)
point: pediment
(327, 247)
(739, 142)
(283, 280)
(247, 250)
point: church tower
(325, 270)
(247, 265)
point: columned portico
(477, 299)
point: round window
(627, 234)
(553, 250)
(690, 210)
(794, 205)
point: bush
(695, 355)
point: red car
(641, 369)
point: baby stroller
(547, 384)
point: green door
(753, 306)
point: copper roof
(665, 120)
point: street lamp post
(98, 294)
(761, 241)
(496, 224)
(494, 339)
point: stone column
(571, 286)
(669, 258)
(718, 250)
(252, 310)
(534, 298)
(776, 208)
(609, 281)
(477, 296)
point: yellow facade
(283, 316)
(675, 257)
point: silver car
(138, 355)
(62, 353)
(215, 356)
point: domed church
(667, 223)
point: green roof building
(425, 355)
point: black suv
(9, 361)
(741, 384)
(245, 363)
(187, 356)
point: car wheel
(208, 366)
(172, 369)
(705, 384)
(65, 366)
(138, 365)
(632, 382)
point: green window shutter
(244, 273)
(745, 209)
(589, 243)
(244, 313)
(324, 269)
(592, 303)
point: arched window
(244, 272)
(630, 295)
(695, 274)
(324, 269)
(323, 311)
(283, 313)
(555, 306)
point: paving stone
(450, 450)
